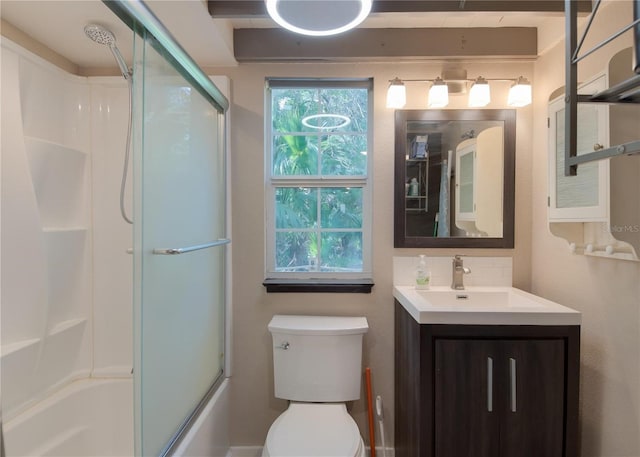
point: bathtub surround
(66, 297)
(66, 277)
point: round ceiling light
(318, 17)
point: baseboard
(256, 451)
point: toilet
(317, 366)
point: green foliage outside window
(319, 133)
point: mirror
(454, 178)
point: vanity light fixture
(479, 93)
(318, 17)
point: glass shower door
(179, 248)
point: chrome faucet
(458, 271)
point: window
(318, 187)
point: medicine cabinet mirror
(454, 178)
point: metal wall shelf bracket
(626, 92)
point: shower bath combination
(75, 322)
(100, 35)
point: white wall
(606, 291)
(253, 406)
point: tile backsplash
(485, 271)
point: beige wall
(19, 37)
(607, 292)
(253, 405)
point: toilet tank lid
(318, 325)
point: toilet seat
(314, 430)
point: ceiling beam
(279, 45)
(257, 9)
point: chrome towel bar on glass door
(197, 247)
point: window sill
(352, 286)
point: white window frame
(272, 182)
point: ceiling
(209, 40)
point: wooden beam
(257, 9)
(252, 45)
(412, 6)
(237, 8)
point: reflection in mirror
(454, 169)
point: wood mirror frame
(402, 118)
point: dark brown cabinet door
(531, 423)
(466, 413)
(499, 398)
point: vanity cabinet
(507, 395)
(485, 390)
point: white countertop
(483, 306)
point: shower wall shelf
(627, 91)
(58, 173)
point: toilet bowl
(314, 430)
(317, 366)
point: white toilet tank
(317, 358)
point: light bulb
(396, 94)
(520, 93)
(480, 94)
(438, 94)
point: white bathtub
(94, 417)
(89, 417)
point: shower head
(99, 34)
(103, 36)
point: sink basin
(483, 305)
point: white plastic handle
(379, 407)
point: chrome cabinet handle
(512, 370)
(489, 384)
